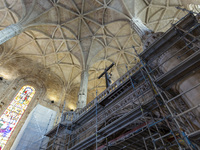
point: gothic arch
(12, 91)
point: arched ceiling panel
(68, 36)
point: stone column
(82, 96)
(147, 36)
(139, 27)
(10, 32)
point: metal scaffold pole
(157, 91)
(57, 130)
(96, 123)
(183, 9)
(46, 131)
(142, 110)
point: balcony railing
(75, 115)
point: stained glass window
(13, 113)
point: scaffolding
(141, 110)
(31, 135)
(56, 135)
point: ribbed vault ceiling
(68, 36)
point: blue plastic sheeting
(39, 121)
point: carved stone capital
(140, 28)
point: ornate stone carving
(116, 110)
(139, 27)
(150, 38)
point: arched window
(14, 112)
